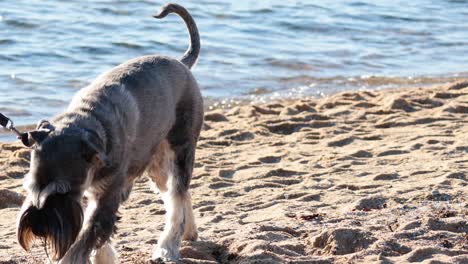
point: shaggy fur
(143, 115)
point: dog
(144, 115)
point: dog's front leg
(97, 229)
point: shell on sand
(368, 176)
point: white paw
(70, 259)
(75, 255)
(165, 254)
(105, 255)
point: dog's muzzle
(58, 223)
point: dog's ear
(36, 136)
(43, 129)
(93, 151)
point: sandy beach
(356, 177)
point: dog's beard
(57, 224)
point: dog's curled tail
(191, 55)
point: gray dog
(143, 115)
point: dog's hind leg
(162, 172)
(183, 138)
(190, 232)
(171, 171)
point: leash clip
(8, 124)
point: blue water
(250, 49)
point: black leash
(8, 124)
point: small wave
(112, 11)
(75, 83)
(368, 81)
(263, 10)
(7, 58)
(20, 24)
(95, 50)
(48, 101)
(7, 41)
(128, 45)
(16, 79)
(10, 111)
(288, 64)
(38, 55)
(306, 26)
(404, 19)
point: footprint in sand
(311, 197)
(207, 208)
(215, 117)
(232, 194)
(215, 143)
(421, 172)
(452, 224)
(371, 137)
(386, 177)
(228, 132)
(423, 253)
(392, 248)
(262, 185)
(340, 142)
(226, 173)
(342, 241)
(446, 95)
(288, 128)
(416, 146)
(242, 136)
(270, 159)
(10, 199)
(456, 175)
(372, 202)
(219, 185)
(285, 182)
(392, 152)
(362, 154)
(282, 173)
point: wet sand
(369, 176)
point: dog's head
(62, 165)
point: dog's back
(146, 94)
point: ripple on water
(128, 45)
(20, 24)
(101, 50)
(113, 11)
(11, 111)
(7, 42)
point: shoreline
(263, 96)
(360, 176)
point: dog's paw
(160, 255)
(105, 255)
(157, 261)
(74, 260)
(75, 255)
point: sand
(356, 177)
